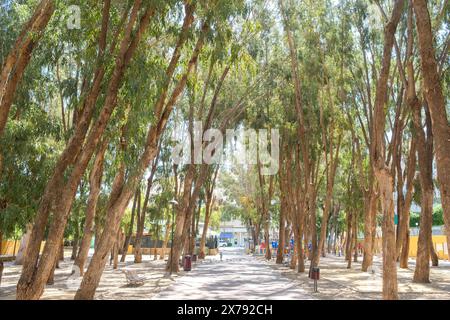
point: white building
(234, 231)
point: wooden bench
(133, 279)
(5, 258)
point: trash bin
(315, 273)
(194, 258)
(187, 263)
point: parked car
(223, 244)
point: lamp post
(173, 202)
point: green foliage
(438, 217)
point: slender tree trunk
(130, 231)
(294, 257)
(208, 210)
(76, 240)
(155, 245)
(95, 181)
(140, 214)
(369, 227)
(166, 239)
(355, 237)
(282, 232)
(17, 60)
(382, 173)
(348, 239)
(404, 219)
(436, 103)
(425, 160)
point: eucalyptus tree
(77, 153)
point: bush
(438, 217)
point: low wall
(11, 247)
(439, 244)
(151, 251)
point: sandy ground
(240, 276)
(337, 282)
(113, 284)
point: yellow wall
(439, 243)
(8, 248)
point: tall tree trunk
(405, 215)
(383, 174)
(425, 160)
(437, 105)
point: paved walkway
(238, 276)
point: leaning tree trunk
(95, 181)
(32, 280)
(20, 55)
(92, 276)
(433, 253)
